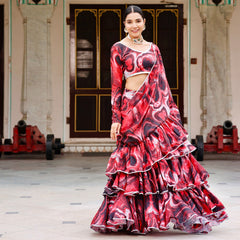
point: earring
(125, 30)
(144, 28)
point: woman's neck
(138, 40)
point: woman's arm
(116, 79)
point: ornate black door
(93, 30)
(1, 67)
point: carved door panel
(93, 30)
(1, 67)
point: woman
(153, 179)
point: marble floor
(56, 200)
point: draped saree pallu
(153, 179)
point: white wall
(6, 65)
(57, 70)
(195, 81)
(235, 65)
(17, 63)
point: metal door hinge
(68, 20)
(185, 120)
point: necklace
(136, 40)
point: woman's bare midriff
(133, 83)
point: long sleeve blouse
(116, 82)
(126, 62)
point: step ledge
(89, 147)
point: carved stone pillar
(216, 93)
(203, 14)
(227, 12)
(36, 102)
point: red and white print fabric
(153, 179)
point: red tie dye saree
(153, 179)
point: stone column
(203, 14)
(36, 102)
(216, 93)
(227, 12)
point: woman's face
(134, 24)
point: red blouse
(127, 62)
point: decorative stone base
(89, 145)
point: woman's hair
(132, 9)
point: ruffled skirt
(157, 182)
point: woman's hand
(115, 130)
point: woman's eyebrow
(137, 19)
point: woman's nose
(134, 24)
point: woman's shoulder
(117, 45)
(118, 48)
(155, 46)
(121, 43)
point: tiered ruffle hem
(157, 182)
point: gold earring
(125, 30)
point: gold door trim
(101, 12)
(77, 11)
(118, 11)
(99, 117)
(152, 12)
(176, 95)
(176, 13)
(75, 113)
